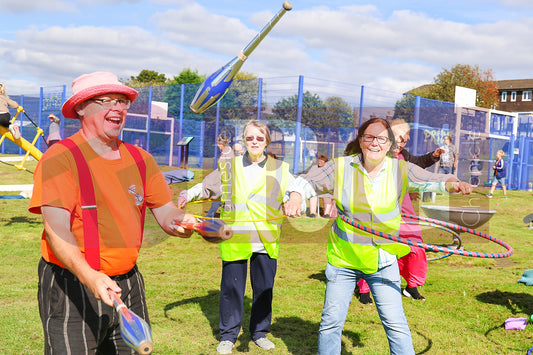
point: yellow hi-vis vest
(377, 207)
(251, 203)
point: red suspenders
(88, 200)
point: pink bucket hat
(90, 85)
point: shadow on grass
(515, 302)
(320, 276)
(301, 336)
(209, 306)
(19, 220)
(494, 339)
(428, 341)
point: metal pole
(297, 132)
(149, 118)
(217, 122)
(259, 98)
(361, 102)
(416, 121)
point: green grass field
(467, 299)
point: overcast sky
(391, 45)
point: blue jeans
(386, 289)
(213, 209)
(446, 170)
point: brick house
(515, 95)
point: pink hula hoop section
(437, 248)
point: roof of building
(514, 84)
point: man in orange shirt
(92, 190)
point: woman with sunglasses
(252, 189)
(368, 187)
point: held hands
(182, 199)
(292, 208)
(462, 187)
(438, 152)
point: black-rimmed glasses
(368, 138)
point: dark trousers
(75, 322)
(5, 117)
(232, 287)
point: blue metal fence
(308, 117)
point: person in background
(252, 189)
(238, 149)
(226, 153)
(449, 158)
(272, 155)
(475, 171)
(91, 190)
(5, 116)
(413, 266)
(368, 187)
(223, 142)
(54, 130)
(311, 176)
(499, 174)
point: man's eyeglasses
(108, 103)
(257, 138)
(368, 138)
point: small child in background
(499, 174)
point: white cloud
(360, 45)
(515, 3)
(57, 55)
(31, 6)
(192, 25)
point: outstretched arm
(423, 180)
(423, 161)
(169, 217)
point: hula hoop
(451, 231)
(432, 247)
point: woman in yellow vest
(368, 187)
(252, 188)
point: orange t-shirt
(119, 191)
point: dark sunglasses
(257, 138)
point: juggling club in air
(135, 331)
(212, 230)
(217, 84)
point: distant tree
(340, 118)
(314, 112)
(339, 110)
(146, 78)
(187, 76)
(405, 107)
(192, 81)
(240, 102)
(464, 75)
(242, 75)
